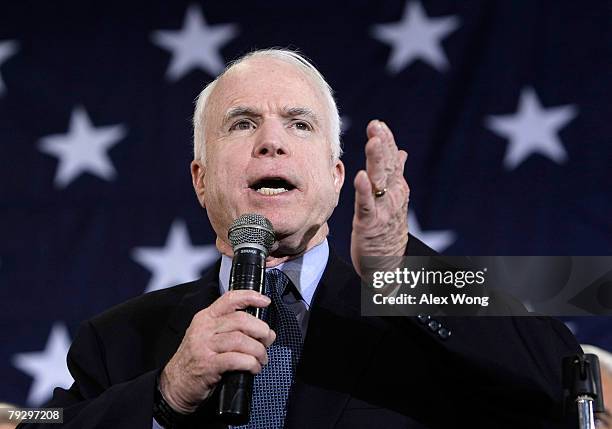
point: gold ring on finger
(380, 193)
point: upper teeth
(271, 191)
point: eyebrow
(292, 112)
(288, 112)
(239, 111)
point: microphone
(252, 237)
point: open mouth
(272, 186)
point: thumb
(364, 200)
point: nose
(270, 140)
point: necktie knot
(276, 282)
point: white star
(178, 261)
(532, 129)
(7, 49)
(83, 149)
(196, 45)
(48, 368)
(437, 240)
(416, 37)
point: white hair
(291, 57)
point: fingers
(376, 163)
(384, 170)
(235, 361)
(237, 300)
(377, 154)
(248, 325)
(240, 343)
(219, 339)
(382, 155)
(400, 163)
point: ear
(198, 177)
(338, 175)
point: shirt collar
(304, 272)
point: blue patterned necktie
(272, 385)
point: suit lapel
(338, 345)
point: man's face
(268, 151)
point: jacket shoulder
(151, 308)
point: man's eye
(302, 126)
(242, 125)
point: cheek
(219, 181)
(324, 186)
(228, 167)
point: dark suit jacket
(355, 372)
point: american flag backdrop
(505, 108)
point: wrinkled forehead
(267, 84)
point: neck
(284, 249)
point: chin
(282, 226)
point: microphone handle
(236, 387)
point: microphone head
(252, 230)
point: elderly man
(267, 141)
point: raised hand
(380, 222)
